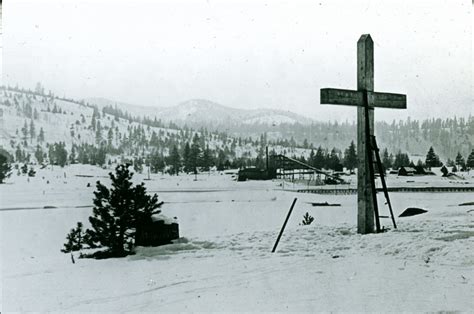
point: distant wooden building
(406, 171)
(420, 170)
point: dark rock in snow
(324, 204)
(159, 230)
(412, 211)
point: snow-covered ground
(223, 260)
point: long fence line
(348, 191)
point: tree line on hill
(414, 136)
(175, 149)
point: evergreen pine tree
(470, 160)
(93, 119)
(206, 159)
(333, 160)
(420, 164)
(138, 165)
(41, 135)
(19, 155)
(35, 114)
(311, 159)
(98, 133)
(450, 163)
(51, 154)
(319, 158)
(75, 239)
(432, 160)
(221, 160)
(117, 211)
(32, 130)
(110, 137)
(72, 155)
(350, 157)
(387, 161)
(100, 155)
(460, 161)
(5, 168)
(39, 154)
(157, 162)
(175, 160)
(187, 157)
(401, 160)
(195, 155)
(60, 153)
(24, 130)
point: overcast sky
(243, 54)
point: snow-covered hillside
(24, 115)
(32, 122)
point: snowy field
(223, 260)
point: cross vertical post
(365, 83)
(365, 99)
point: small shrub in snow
(307, 219)
(31, 172)
(74, 239)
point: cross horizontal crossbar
(346, 97)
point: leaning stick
(284, 225)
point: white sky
(243, 54)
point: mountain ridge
(202, 112)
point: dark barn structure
(256, 174)
(406, 171)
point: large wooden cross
(365, 99)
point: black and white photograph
(236, 156)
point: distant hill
(205, 113)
